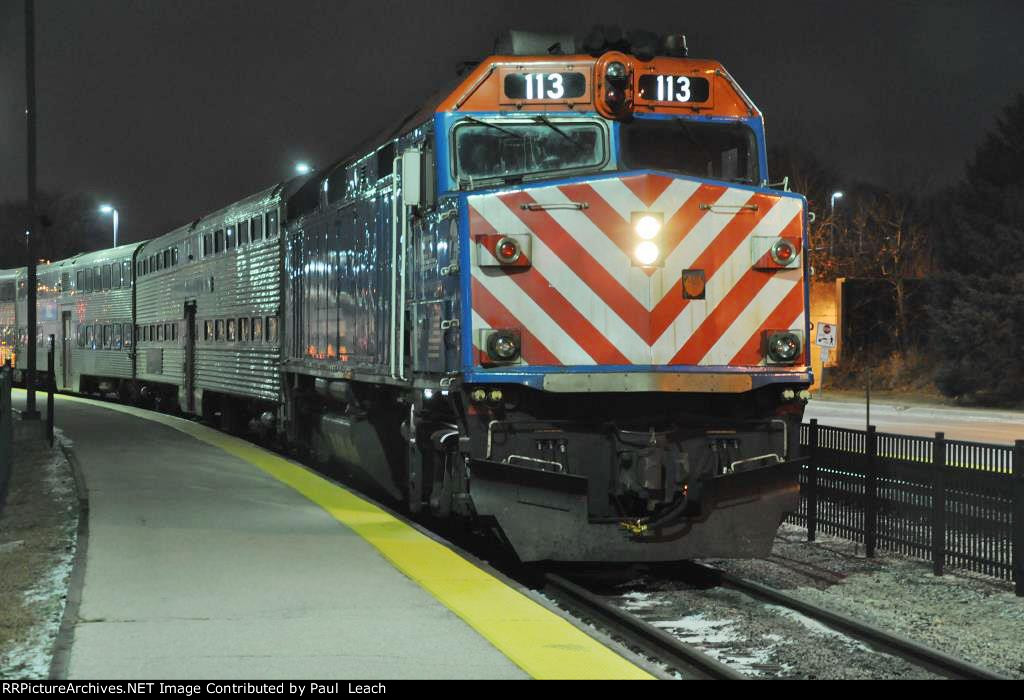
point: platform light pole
(30, 412)
(832, 203)
(108, 209)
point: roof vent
(516, 42)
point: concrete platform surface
(208, 557)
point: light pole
(835, 195)
(108, 209)
(303, 169)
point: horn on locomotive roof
(641, 43)
(674, 45)
(516, 42)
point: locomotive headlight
(503, 346)
(615, 71)
(647, 226)
(646, 253)
(783, 347)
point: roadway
(893, 416)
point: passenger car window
(128, 335)
(257, 330)
(243, 329)
(218, 241)
(106, 276)
(219, 330)
(271, 224)
(116, 340)
(243, 232)
(257, 228)
(231, 330)
(271, 329)
(208, 330)
(229, 237)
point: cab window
(533, 148)
(699, 148)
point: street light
(303, 169)
(835, 196)
(108, 209)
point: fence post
(812, 481)
(939, 504)
(51, 383)
(6, 432)
(870, 491)
(1018, 516)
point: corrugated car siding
(246, 283)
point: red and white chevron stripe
(582, 301)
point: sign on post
(826, 336)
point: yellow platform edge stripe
(543, 644)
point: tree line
(952, 262)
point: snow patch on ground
(31, 656)
(816, 627)
(723, 639)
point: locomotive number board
(544, 86)
(674, 89)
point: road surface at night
(976, 424)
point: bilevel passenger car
(560, 301)
(85, 302)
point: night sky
(171, 108)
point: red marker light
(507, 250)
(783, 252)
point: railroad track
(692, 662)
(936, 661)
(687, 659)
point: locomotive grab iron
(559, 301)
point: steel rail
(656, 642)
(919, 654)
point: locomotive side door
(65, 349)
(189, 369)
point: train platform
(208, 557)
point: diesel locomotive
(560, 301)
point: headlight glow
(647, 227)
(646, 253)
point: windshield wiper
(549, 124)
(491, 125)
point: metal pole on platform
(51, 384)
(30, 412)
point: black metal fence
(6, 434)
(958, 504)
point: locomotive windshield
(704, 149)
(538, 147)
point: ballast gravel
(972, 617)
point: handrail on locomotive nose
(536, 206)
